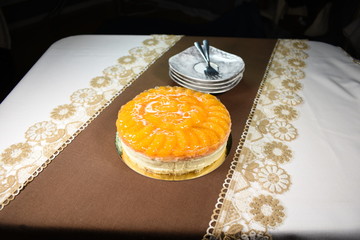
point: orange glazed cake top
(173, 123)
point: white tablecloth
(325, 194)
(65, 90)
(66, 66)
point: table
(80, 187)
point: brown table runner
(89, 192)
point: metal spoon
(209, 71)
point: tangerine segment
(155, 145)
(167, 148)
(173, 122)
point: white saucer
(187, 69)
(190, 64)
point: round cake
(173, 130)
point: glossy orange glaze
(173, 123)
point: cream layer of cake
(172, 167)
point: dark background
(29, 27)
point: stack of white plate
(187, 69)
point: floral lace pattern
(21, 162)
(248, 205)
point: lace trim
(216, 212)
(247, 206)
(20, 153)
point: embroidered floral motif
(300, 45)
(295, 62)
(290, 98)
(267, 210)
(127, 60)
(63, 112)
(300, 54)
(294, 73)
(150, 42)
(41, 131)
(285, 112)
(114, 71)
(291, 85)
(139, 51)
(283, 131)
(119, 72)
(274, 179)
(99, 82)
(277, 151)
(16, 153)
(83, 96)
(144, 52)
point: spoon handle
(207, 50)
(198, 46)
